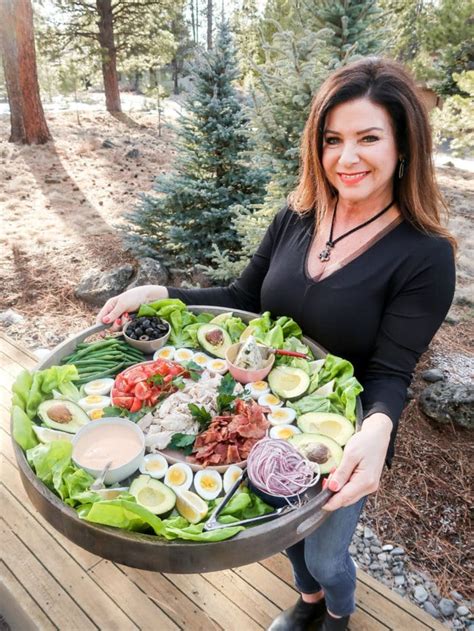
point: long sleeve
(244, 293)
(416, 310)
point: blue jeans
(322, 560)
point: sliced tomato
(123, 402)
(136, 405)
(136, 374)
(142, 390)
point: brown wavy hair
(387, 84)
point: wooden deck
(47, 582)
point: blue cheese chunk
(249, 357)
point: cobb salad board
(310, 395)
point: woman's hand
(129, 300)
(362, 463)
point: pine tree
(317, 38)
(193, 211)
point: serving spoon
(99, 481)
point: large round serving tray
(149, 552)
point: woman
(360, 260)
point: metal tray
(148, 552)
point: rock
(133, 153)
(375, 567)
(400, 590)
(107, 144)
(368, 534)
(150, 272)
(10, 316)
(376, 549)
(382, 557)
(420, 594)
(456, 595)
(98, 287)
(446, 607)
(397, 569)
(398, 551)
(352, 550)
(448, 164)
(433, 375)
(399, 581)
(449, 402)
(431, 609)
(410, 394)
(462, 610)
(387, 547)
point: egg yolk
(279, 415)
(165, 354)
(96, 414)
(259, 385)
(95, 398)
(207, 482)
(235, 476)
(218, 365)
(154, 466)
(271, 400)
(95, 385)
(177, 477)
(285, 433)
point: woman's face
(359, 151)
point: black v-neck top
(379, 311)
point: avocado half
(318, 448)
(63, 415)
(287, 382)
(214, 339)
(335, 426)
(153, 495)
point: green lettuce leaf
(23, 429)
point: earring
(401, 168)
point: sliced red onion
(275, 467)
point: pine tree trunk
(193, 21)
(175, 72)
(109, 55)
(209, 24)
(28, 124)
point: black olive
(139, 331)
(131, 335)
(145, 322)
(144, 338)
(149, 331)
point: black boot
(301, 617)
(335, 624)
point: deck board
(47, 582)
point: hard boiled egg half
(98, 386)
(218, 366)
(201, 359)
(179, 476)
(284, 432)
(232, 474)
(208, 484)
(269, 400)
(94, 401)
(257, 388)
(183, 355)
(154, 465)
(281, 416)
(167, 352)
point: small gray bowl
(147, 346)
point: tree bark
(193, 21)
(28, 124)
(109, 55)
(209, 24)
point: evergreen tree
(318, 37)
(194, 207)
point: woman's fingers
(104, 315)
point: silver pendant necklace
(325, 253)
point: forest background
(145, 128)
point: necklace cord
(325, 254)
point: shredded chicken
(173, 415)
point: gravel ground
(391, 566)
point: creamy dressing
(102, 444)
